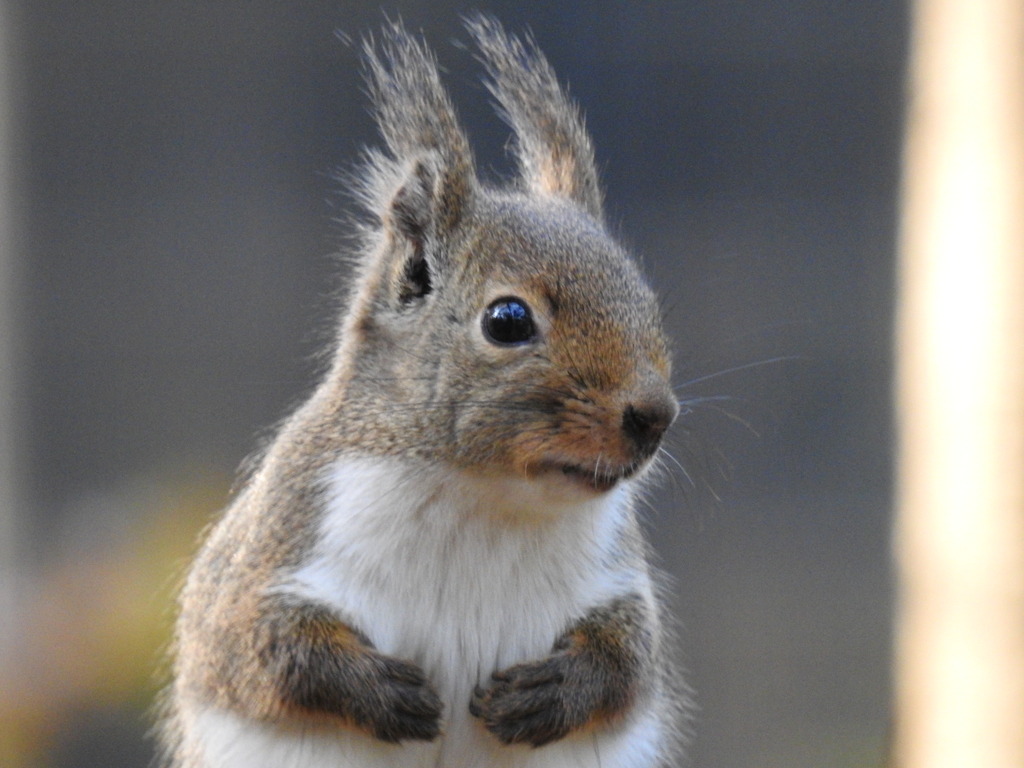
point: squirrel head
(501, 331)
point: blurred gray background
(180, 210)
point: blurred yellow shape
(96, 627)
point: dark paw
(324, 667)
(405, 705)
(534, 703)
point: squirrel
(437, 561)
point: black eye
(508, 321)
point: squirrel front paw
(401, 703)
(321, 665)
(539, 702)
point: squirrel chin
(561, 481)
(592, 479)
(552, 487)
(570, 483)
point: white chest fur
(463, 576)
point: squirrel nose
(645, 423)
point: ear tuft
(419, 125)
(554, 151)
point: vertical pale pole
(9, 455)
(960, 530)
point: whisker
(736, 369)
(663, 450)
(686, 406)
(427, 406)
(737, 419)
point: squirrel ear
(418, 123)
(554, 151)
(414, 214)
